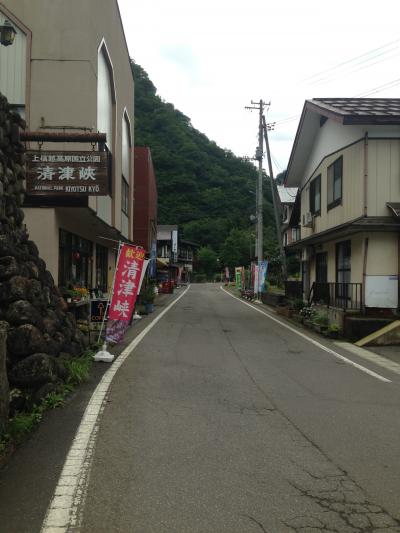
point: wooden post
(4, 388)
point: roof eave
(371, 120)
(309, 105)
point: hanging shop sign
(54, 173)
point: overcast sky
(211, 58)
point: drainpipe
(366, 174)
(364, 272)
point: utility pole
(275, 201)
(259, 197)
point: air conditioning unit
(308, 220)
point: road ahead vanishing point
(222, 419)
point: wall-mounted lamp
(7, 34)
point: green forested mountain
(205, 189)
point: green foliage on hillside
(205, 189)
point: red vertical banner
(126, 286)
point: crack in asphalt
(344, 508)
(259, 524)
(339, 504)
(243, 409)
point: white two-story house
(346, 163)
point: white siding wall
(333, 136)
(383, 175)
(126, 149)
(352, 192)
(13, 68)
(104, 123)
(126, 166)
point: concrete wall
(44, 230)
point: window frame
(312, 196)
(124, 196)
(332, 177)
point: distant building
(287, 197)
(145, 213)
(175, 256)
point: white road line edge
(370, 356)
(312, 341)
(65, 510)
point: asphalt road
(222, 420)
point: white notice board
(381, 291)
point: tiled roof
(366, 107)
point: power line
(351, 60)
(380, 88)
(321, 81)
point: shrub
(321, 318)
(298, 304)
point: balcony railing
(341, 295)
(293, 289)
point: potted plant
(297, 306)
(148, 295)
(308, 313)
(333, 331)
(68, 294)
(321, 322)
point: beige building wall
(61, 91)
(64, 62)
(383, 175)
(383, 254)
(352, 192)
(44, 230)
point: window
(125, 197)
(315, 196)
(295, 234)
(126, 163)
(343, 271)
(101, 267)
(335, 174)
(75, 260)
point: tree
(238, 248)
(207, 261)
(205, 189)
